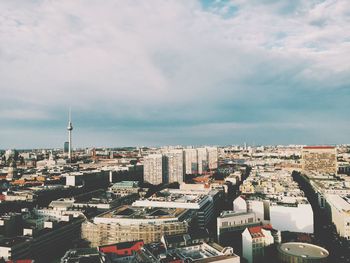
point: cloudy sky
(174, 72)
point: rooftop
(132, 212)
(304, 250)
(342, 203)
(318, 147)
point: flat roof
(304, 250)
(132, 212)
(339, 202)
(318, 147)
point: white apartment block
(190, 161)
(212, 157)
(153, 169)
(173, 169)
(202, 160)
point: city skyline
(213, 73)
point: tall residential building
(202, 160)
(212, 157)
(190, 161)
(153, 169)
(173, 170)
(321, 159)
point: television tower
(70, 128)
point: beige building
(321, 159)
(127, 223)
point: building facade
(321, 159)
(153, 169)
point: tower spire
(70, 128)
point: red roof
(123, 248)
(20, 261)
(318, 147)
(256, 232)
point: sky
(190, 72)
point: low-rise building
(339, 209)
(130, 223)
(230, 221)
(202, 201)
(302, 253)
(199, 253)
(256, 242)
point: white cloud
(159, 59)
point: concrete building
(256, 242)
(294, 252)
(127, 223)
(339, 209)
(125, 188)
(173, 167)
(199, 253)
(230, 221)
(190, 161)
(202, 202)
(202, 156)
(153, 169)
(212, 157)
(88, 178)
(295, 216)
(321, 159)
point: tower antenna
(70, 128)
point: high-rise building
(212, 157)
(321, 159)
(66, 147)
(190, 161)
(202, 160)
(153, 169)
(173, 167)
